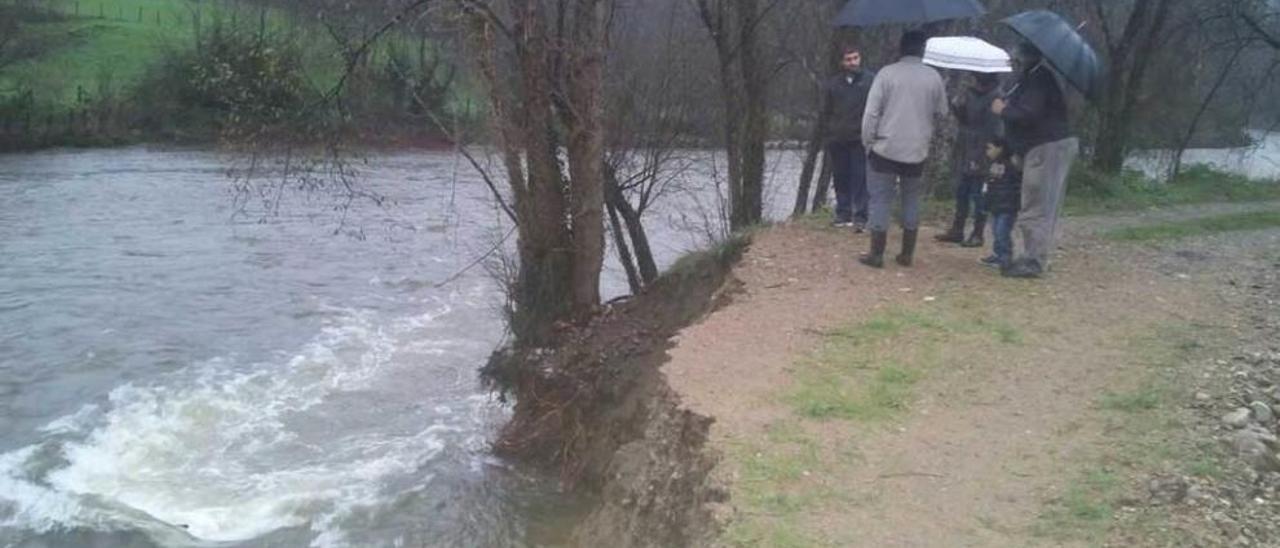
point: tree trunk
(559, 220)
(817, 139)
(640, 243)
(617, 201)
(824, 183)
(1176, 167)
(544, 294)
(624, 251)
(750, 209)
(812, 151)
(734, 26)
(586, 147)
(1130, 58)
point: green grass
(768, 491)
(114, 52)
(92, 53)
(1146, 398)
(853, 374)
(1144, 437)
(1206, 466)
(1235, 222)
(778, 535)
(867, 371)
(1085, 510)
(1089, 192)
(864, 371)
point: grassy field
(1255, 220)
(91, 52)
(96, 46)
(1090, 193)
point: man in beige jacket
(906, 98)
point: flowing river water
(174, 375)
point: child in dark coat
(1003, 195)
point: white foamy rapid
(223, 452)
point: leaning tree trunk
(624, 250)
(619, 206)
(824, 183)
(811, 153)
(1176, 167)
(818, 137)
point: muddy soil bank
(596, 409)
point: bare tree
(1260, 18)
(651, 78)
(736, 28)
(554, 52)
(817, 68)
(1130, 52)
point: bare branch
(1262, 33)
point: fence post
(139, 14)
(102, 11)
(77, 8)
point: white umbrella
(966, 53)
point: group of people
(1013, 152)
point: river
(174, 375)
(1259, 161)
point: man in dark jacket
(1035, 119)
(846, 100)
(977, 127)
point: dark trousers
(1002, 230)
(969, 192)
(849, 179)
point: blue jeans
(969, 191)
(849, 179)
(884, 191)
(1002, 231)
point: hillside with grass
(92, 72)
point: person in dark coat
(846, 100)
(977, 127)
(1035, 121)
(1002, 191)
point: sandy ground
(990, 435)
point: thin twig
(477, 261)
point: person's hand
(998, 106)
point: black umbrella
(866, 13)
(1062, 47)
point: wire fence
(156, 13)
(33, 127)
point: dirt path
(940, 405)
